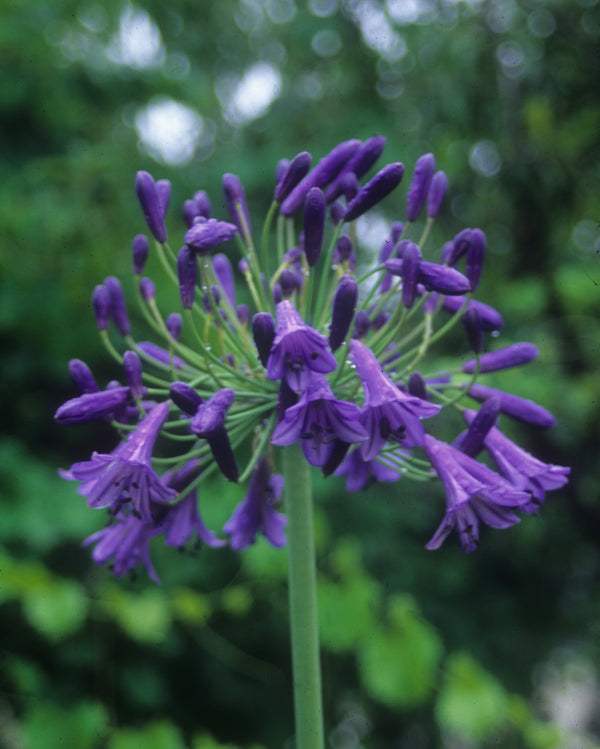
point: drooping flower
(181, 522)
(508, 356)
(126, 541)
(474, 493)
(518, 408)
(297, 349)
(387, 413)
(257, 514)
(375, 190)
(520, 468)
(91, 406)
(127, 472)
(318, 419)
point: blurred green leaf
(145, 617)
(189, 606)
(399, 664)
(57, 610)
(82, 726)
(157, 735)
(471, 702)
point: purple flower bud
(185, 397)
(139, 251)
(434, 277)
(293, 255)
(416, 386)
(475, 255)
(243, 313)
(190, 212)
(380, 320)
(343, 249)
(160, 354)
(359, 164)
(277, 294)
(187, 269)
(147, 289)
(511, 405)
(152, 206)
(174, 325)
(263, 330)
(342, 313)
(314, 224)
(490, 318)
(325, 171)
(509, 356)
(91, 406)
(208, 233)
(362, 323)
(295, 171)
(243, 266)
(236, 201)
(212, 413)
(224, 273)
(281, 169)
(437, 192)
(375, 190)
(82, 376)
(471, 442)
(133, 374)
(163, 189)
(288, 282)
(411, 261)
(101, 306)
(419, 186)
(457, 248)
(211, 299)
(336, 212)
(472, 322)
(350, 186)
(117, 305)
(202, 203)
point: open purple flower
(387, 413)
(296, 349)
(318, 419)
(474, 493)
(257, 511)
(520, 468)
(126, 541)
(126, 473)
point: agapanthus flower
(317, 420)
(474, 493)
(387, 413)
(127, 471)
(286, 367)
(257, 513)
(126, 541)
(297, 349)
(520, 468)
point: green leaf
(399, 664)
(51, 727)
(190, 607)
(471, 702)
(156, 735)
(145, 617)
(56, 610)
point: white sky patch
(251, 95)
(169, 130)
(137, 44)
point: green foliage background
(420, 649)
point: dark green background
(421, 649)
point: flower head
(207, 233)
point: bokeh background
(499, 648)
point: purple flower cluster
(329, 357)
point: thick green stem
(303, 600)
